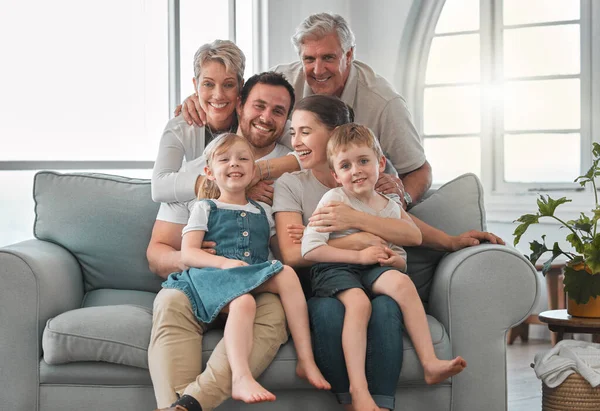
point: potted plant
(582, 270)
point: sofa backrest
(105, 221)
(455, 207)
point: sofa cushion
(118, 334)
(105, 221)
(97, 298)
(455, 207)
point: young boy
(356, 160)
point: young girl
(223, 283)
(356, 160)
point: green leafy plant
(583, 266)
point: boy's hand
(295, 232)
(393, 260)
(229, 263)
(371, 255)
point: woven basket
(574, 394)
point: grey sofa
(75, 305)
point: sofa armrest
(38, 280)
(478, 293)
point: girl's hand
(392, 260)
(334, 216)
(229, 263)
(371, 255)
(262, 191)
(295, 232)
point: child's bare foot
(362, 401)
(245, 388)
(440, 370)
(309, 371)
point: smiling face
(262, 118)
(218, 92)
(357, 169)
(326, 66)
(309, 139)
(232, 168)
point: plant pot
(591, 309)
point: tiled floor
(524, 389)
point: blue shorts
(328, 279)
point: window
(505, 92)
(86, 86)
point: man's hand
(334, 216)
(295, 232)
(371, 255)
(473, 237)
(229, 263)
(262, 191)
(209, 247)
(390, 184)
(393, 260)
(192, 111)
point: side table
(561, 322)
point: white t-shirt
(313, 239)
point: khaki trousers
(175, 351)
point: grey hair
(226, 53)
(322, 24)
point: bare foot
(309, 371)
(440, 370)
(245, 388)
(362, 401)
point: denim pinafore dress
(239, 235)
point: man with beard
(174, 354)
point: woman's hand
(230, 263)
(295, 232)
(371, 255)
(262, 191)
(393, 260)
(192, 111)
(334, 216)
(473, 237)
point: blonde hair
(224, 52)
(208, 188)
(351, 134)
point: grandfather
(326, 45)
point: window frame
(504, 200)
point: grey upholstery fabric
(99, 334)
(104, 221)
(454, 208)
(97, 298)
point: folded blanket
(568, 357)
